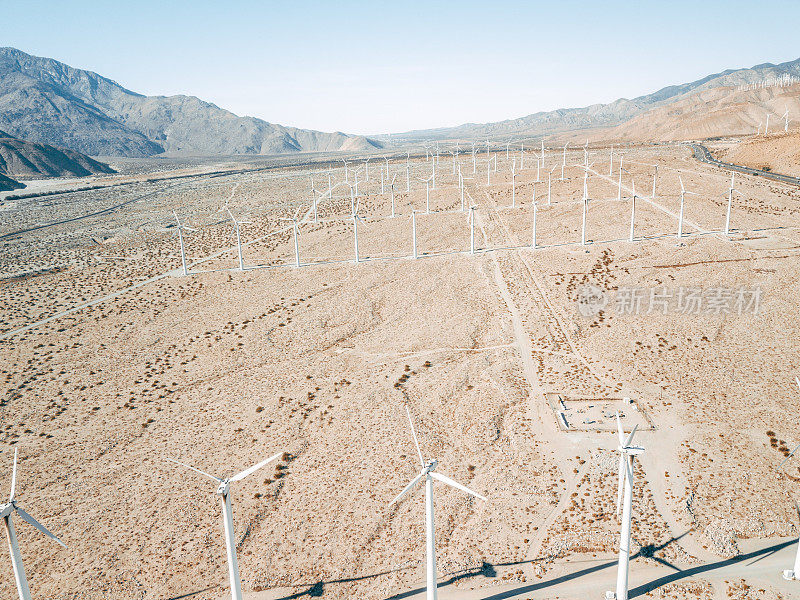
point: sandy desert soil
(778, 152)
(224, 367)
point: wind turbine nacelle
(6, 509)
(431, 466)
(632, 450)
(223, 488)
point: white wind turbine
(680, 214)
(237, 228)
(181, 229)
(474, 164)
(766, 127)
(428, 473)
(611, 162)
(227, 518)
(786, 121)
(564, 161)
(414, 234)
(585, 203)
(633, 211)
(624, 501)
(542, 154)
(731, 190)
(514, 183)
(391, 185)
(6, 512)
(355, 236)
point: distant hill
(22, 159)
(600, 115)
(46, 101)
(8, 184)
(713, 112)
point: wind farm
(512, 360)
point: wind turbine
(543, 153)
(585, 204)
(624, 501)
(786, 121)
(766, 127)
(346, 179)
(680, 214)
(227, 518)
(474, 164)
(181, 229)
(611, 162)
(514, 183)
(472, 229)
(355, 236)
(633, 210)
(428, 473)
(731, 190)
(535, 210)
(414, 233)
(564, 161)
(392, 187)
(6, 512)
(237, 228)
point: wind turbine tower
(223, 489)
(7, 511)
(428, 473)
(627, 452)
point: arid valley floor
(113, 361)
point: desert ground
(114, 361)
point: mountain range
(46, 101)
(600, 115)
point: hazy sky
(374, 67)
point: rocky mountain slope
(715, 112)
(602, 115)
(22, 159)
(46, 101)
(8, 184)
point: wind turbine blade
(407, 489)
(38, 525)
(797, 381)
(195, 470)
(620, 433)
(630, 437)
(253, 469)
(13, 477)
(621, 471)
(629, 471)
(457, 485)
(416, 442)
(681, 180)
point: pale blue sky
(374, 67)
